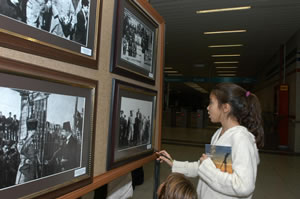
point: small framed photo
(135, 42)
(132, 124)
(65, 30)
(46, 134)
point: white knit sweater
(213, 183)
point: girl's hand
(164, 156)
(203, 157)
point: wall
(104, 77)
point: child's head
(176, 186)
(245, 107)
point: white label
(86, 51)
(149, 146)
(150, 75)
(80, 172)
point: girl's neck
(228, 124)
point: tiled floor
(278, 175)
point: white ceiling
(269, 24)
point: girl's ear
(226, 108)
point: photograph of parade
(135, 123)
(68, 19)
(40, 135)
(137, 42)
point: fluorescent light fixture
(226, 71)
(196, 87)
(226, 67)
(175, 74)
(168, 68)
(228, 55)
(223, 9)
(226, 62)
(171, 71)
(227, 75)
(224, 32)
(225, 46)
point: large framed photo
(46, 135)
(135, 42)
(132, 123)
(64, 30)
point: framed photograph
(46, 136)
(132, 123)
(65, 30)
(135, 42)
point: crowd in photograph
(42, 152)
(134, 130)
(64, 18)
(133, 36)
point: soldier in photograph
(30, 159)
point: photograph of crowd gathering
(135, 123)
(68, 19)
(40, 134)
(137, 42)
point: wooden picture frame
(51, 135)
(59, 32)
(135, 42)
(132, 123)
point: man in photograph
(15, 128)
(15, 9)
(82, 23)
(2, 128)
(70, 150)
(8, 126)
(63, 18)
(35, 12)
(130, 124)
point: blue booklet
(221, 156)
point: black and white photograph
(135, 123)
(68, 19)
(137, 42)
(132, 123)
(65, 30)
(40, 135)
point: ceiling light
(224, 31)
(223, 9)
(226, 62)
(225, 46)
(229, 55)
(227, 75)
(226, 71)
(175, 74)
(171, 71)
(226, 67)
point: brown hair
(245, 107)
(177, 186)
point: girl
(239, 113)
(176, 186)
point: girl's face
(214, 111)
